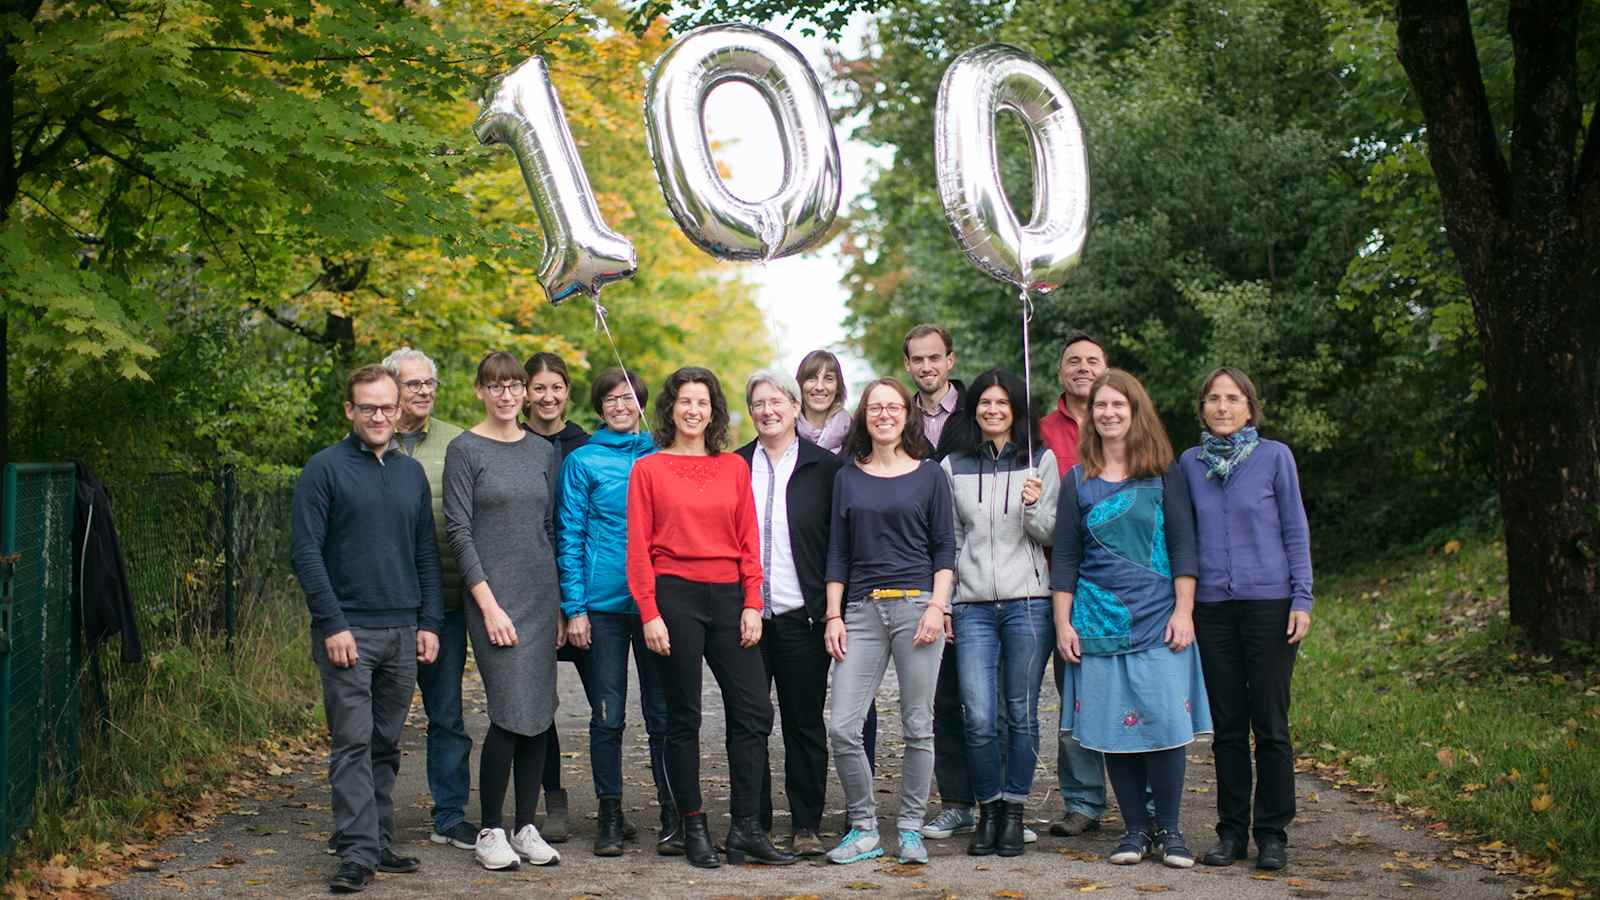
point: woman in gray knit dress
(499, 482)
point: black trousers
(703, 623)
(1248, 664)
(797, 661)
(950, 771)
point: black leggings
(504, 752)
(1162, 770)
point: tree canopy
(211, 210)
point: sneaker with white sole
(1028, 837)
(856, 845)
(530, 846)
(493, 851)
(952, 821)
(461, 836)
(912, 851)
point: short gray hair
(778, 380)
(392, 361)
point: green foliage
(219, 208)
(1234, 223)
(1495, 730)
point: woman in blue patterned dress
(1123, 578)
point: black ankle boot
(669, 841)
(697, 843)
(988, 830)
(1009, 840)
(608, 836)
(747, 843)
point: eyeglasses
(514, 388)
(878, 409)
(418, 385)
(617, 401)
(761, 406)
(369, 411)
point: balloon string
(601, 325)
(1027, 366)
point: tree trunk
(1525, 235)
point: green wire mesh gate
(38, 653)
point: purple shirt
(933, 422)
(1254, 540)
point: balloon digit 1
(799, 213)
(979, 84)
(580, 252)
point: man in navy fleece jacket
(364, 550)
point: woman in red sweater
(694, 569)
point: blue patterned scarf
(1224, 454)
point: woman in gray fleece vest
(1005, 484)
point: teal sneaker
(912, 850)
(857, 845)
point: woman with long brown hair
(1123, 578)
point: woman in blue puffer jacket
(602, 619)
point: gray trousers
(366, 706)
(877, 630)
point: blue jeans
(604, 671)
(1080, 773)
(1003, 645)
(449, 747)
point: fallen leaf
(862, 886)
(1009, 895)
(1446, 757)
(1152, 888)
(1542, 803)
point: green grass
(178, 727)
(1412, 683)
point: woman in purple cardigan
(1253, 606)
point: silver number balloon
(580, 252)
(799, 213)
(980, 84)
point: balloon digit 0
(979, 84)
(724, 225)
(580, 252)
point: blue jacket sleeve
(572, 532)
(1296, 531)
(1068, 549)
(431, 616)
(941, 518)
(839, 533)
(1177, 508)
(313, 500)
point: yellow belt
(894, 594)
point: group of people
(941, 527)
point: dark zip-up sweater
(810, 507)
(363, 541)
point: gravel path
(269, 843)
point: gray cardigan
(1000, 542)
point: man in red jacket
(1082, 361)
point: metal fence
(206, 552)
(38, 645)
(203, 549)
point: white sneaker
(493, 851)
(528, 844)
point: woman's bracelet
(827, 619)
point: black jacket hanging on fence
(100, 578)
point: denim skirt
(1136, 702)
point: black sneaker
(390, 861)
(1175, 852)
(1135, 846)
(462, 836)
(352, 878)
